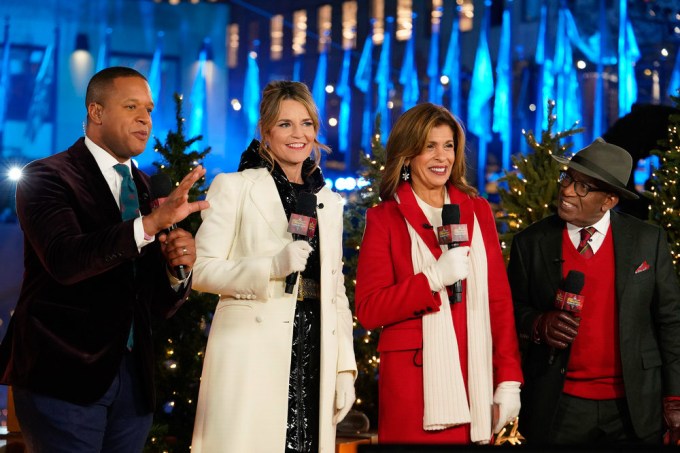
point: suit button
(258, 318)
(238, 296)
(430, 309)
(333, 300)
(334, 271)
(562, 370)
(415, 313)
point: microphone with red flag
(453, 233)
(302, 225)
(161, 186)
(569, 299)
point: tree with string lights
(664, 191)
(365, 341)
(180, 341)
(531, 190)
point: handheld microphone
(452, 233)
(302, 225)
(569, 299)
(161, 186)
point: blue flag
(103, 56)
(345, 93)
(39, 109)
(408, 77)
(451, 67)
(362, 78)
(319, 91)
(383, 81)
(155, 71)
(435, 91)
(481, 87)
(502, 117)
(251, 96)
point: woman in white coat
(279, 368)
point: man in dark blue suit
(611, 373)
(98, 270)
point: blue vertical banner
(198, 96)
(319, 91)
(479, 99)
(5, 80)
(155, 71)
(362, 80)
(674, 82)
(408, 76)
(542, 73)
(629, 53)
(39, 109)
(383, 81)
(435, 89)
(103, 55)
(344, 91)
(502, 107)
(251, 94)
(567, 89)
(451, 67)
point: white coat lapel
(266, 200)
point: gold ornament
(510, 434)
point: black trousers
(581, 421)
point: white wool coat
(243, 398)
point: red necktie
(584, 246)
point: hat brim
(622, 191)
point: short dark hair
(101, 81)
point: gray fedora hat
(605, 162)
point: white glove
(344, 395)
(506, 397)
(451, 267)
(293, 258)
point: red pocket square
(642, 267)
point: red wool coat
(388, 294)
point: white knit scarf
(445, 400)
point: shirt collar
(601, 225)
(105, 161)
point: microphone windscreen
(450, 214)
(306, 204)
(161, 185)
(574, 282)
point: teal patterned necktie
(129, 209)
(129, 203)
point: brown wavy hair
(272, 96)
(407, 140)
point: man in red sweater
(608, 373)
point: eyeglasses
(582, 189)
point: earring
(405, 173)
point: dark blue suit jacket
(649, 320)
(80, 293)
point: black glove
(671, 414)
(556, 328)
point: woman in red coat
(449, 372)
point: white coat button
(333, 271)
(238, 296)
(258, 318)
(333, 301)
(333, 331)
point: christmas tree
(664, 192)
(531, 191)
(365, 341)
(180, 341)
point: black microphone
(302, 224)
(452, 233)
(161, 186)
(569, 299)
